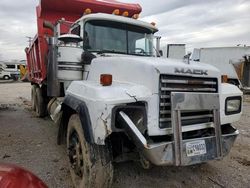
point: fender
(71, 104)
(100, 101)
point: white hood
(146, 70)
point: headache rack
(172, 83)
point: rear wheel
(88, 165)
(33, 97)
(40, 104)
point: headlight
(233, 105)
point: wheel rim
(76, 155)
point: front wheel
(88, 166)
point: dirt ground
(31, 142)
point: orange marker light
(135, 16)
(87, 11)
(116, 12)
(224, 78)
(106, 79)
(125, 13)
(153, 23)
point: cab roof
(116, 18)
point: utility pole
(29, 40)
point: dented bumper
(163, 153)
(182, 151)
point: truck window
(115, 37)
(140, 43)
(10, 66)
(76, 30)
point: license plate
(196, 148)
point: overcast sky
(197, 23)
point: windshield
(114, 37)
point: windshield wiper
(146, 54)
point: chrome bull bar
(173, 152)
(194, 101)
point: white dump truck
(114, 99)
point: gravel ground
(31, 142)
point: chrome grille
(170, 83)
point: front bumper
(163, 153)
(175, 152)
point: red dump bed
(71, 10)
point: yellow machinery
(24, 76)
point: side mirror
(158, 44)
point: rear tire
(40, 105)
(88, 166)
(33, 97)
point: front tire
(88, 166)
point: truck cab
(169, 112)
